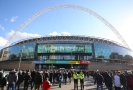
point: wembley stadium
(65, 52)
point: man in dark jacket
(20, 79)
(69, 76)
(27, 79)
(51, 76)
(123, 81)
(12, 79)
(65, 75)
(3, 80)
(59, 78)
(99, 80)
(38, 80)
(33, 74)
(1, 76)
(108, 81)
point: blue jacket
(59, 77)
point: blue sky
(66, 21)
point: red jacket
(46, 85)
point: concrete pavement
(89, 85)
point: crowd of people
(35, 79)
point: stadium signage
(60, 62)
(74, 62)
(84, 62)
(64, 48)
(38, 62)
(50, 62)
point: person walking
(69, 76)
(12, 79)
(46, 84)
(108, 81)
(38, 80)
(20, 79)
(33, 74)
(130, 80)
(65, 75)
(123, 81)
(51, 76)
(117, 82)
(1, 77)
(59, 78)
(3, 80)
(99, 80)
(27, 79)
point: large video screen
(64, 48)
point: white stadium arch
(68, 6)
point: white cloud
(13, 18)
(19, 36)
(66, 34)
(60, 34)
(54, 34)
(1, 27)
(2, 41)
(22, 35)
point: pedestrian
(1, 77)
(59, 78)
(12, 79)
(81, 76)
(3, 80)
(123, 81)
(130, 80)
(108, 81)
(38, 80)
(75, 77)
(99, 80)
(51, 76)
(27, 80)
(54, 76)
(117, 82)
(46, 84)
(65, 75)
(20, 79)
(69, 76)
(33, 74)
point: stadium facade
(54, 52)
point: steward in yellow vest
(75, 77)
(81, 76)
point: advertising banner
(84, 62)
(64, 48)
(50, 62)
(62, 62)
(74, 62)
(38, 62)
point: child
(46, 85)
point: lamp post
(20, 59)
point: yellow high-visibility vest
(81, 76)
(75, 76)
